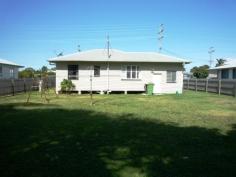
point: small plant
(67, 85)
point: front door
(157, 83)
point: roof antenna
(79, 50)
(108, 47)
(211, 51)
(161, 36)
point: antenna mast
(108, 64)
(211, 51)
(108, 47)
(79, 50)
(160, 37)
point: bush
(200, 72)
(67, 85)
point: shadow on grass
(76, 143)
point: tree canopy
(31, 72)
(201, 71)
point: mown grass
(189, 135)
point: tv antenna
(161, 37)
(79, 49)
(211, 51)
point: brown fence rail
(14, 86)
(226, 87)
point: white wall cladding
(116, 83)
(7, 73)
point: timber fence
(15, 86)
(225, 86)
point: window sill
(73, 79)
(131, 79)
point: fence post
(24, 85)
(206, 85)
(234, 92)
(219, 86)
(196, 85)
(188, 84)
(13, 87)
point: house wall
(117, 74)
(213, 74)
(219, 73)
(6, 72)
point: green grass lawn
(191, 135)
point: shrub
(67, 85)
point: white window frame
(172, 80)
(136, 70)
(73, 77)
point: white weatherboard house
(8, 69)
(121, 71)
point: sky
(32, 31)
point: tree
(27, 73)
(220, 62)
(44, 69)
(201, 71)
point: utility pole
(161, 37)
(211, 51)
(108, 64)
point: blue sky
(31, 31)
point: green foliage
(201, 71)
(220, 62)
(67, 85)
(27, 73)
(44, 69)
(30, 72)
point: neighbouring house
(8, 69)
(226, 71)
(118, 71)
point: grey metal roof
(7, 62)
(100, 55)
(228, 64)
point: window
(132, 72)
(171, 76)
(225, 74)
(96, 71)
(73, 72)
(234, 73)
(11, 73)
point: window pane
(129, 68)
(134, 68)
(73, 72)
(97, 71)
(137, 72)
(171, 76)
(128, 74)
(234, 73)
(134, 74)
(225, 74)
